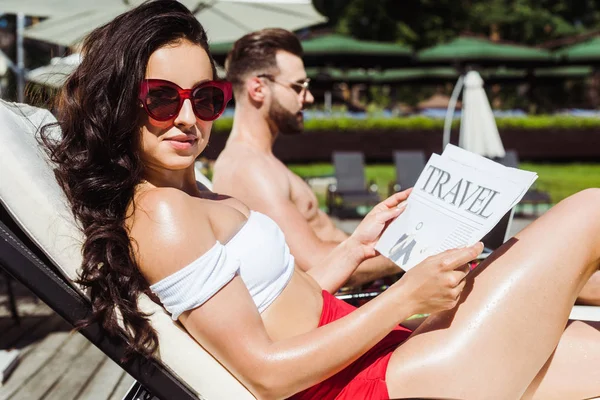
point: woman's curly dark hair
(97, 157)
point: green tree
(530, 22)
(368, 20)
(423, 23)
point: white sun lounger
(33, 199)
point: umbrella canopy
(564, 72)
(345, 51)
(341, 51)
(324, 76)
(56, 73)
(54, 8)
(468, 50)
(478, 130)
(388, 76)
(344, 45)
(585, 52)
(224, 20)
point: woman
(135, 115)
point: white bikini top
(258, 253)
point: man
(271, 90)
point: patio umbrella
(345, 51)
(224, 20)
(388, 76)
(56, 73)
(478, 130)
(470, 50)
(71, 20)
(54, 8)
(336, 50)
(564, 72)
(587, 52)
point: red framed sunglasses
(163, 100)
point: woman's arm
(173, 231)
(230, 327)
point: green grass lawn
(563, 180)
(560, 180)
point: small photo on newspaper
(458, 198)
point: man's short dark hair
(255, 53)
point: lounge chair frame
(26, 263)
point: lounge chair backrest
(409, 165)
(510, 159)
(500, 233)
(349, 171)
(200, 177)
(32, 197)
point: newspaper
(458, 198)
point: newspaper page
(458, 198)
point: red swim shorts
(365, 377)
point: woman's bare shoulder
(169, 229)
(160, 206)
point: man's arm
(369, 270)
(326, 229)
(372, 269)
(262, 190)
(265, 191)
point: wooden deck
(55, 363)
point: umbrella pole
(20, 58)
(328, 101)
(450, 110)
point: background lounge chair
(498, 235)
(350, 191)
(534, 197)
(409, 165)
(40, 245)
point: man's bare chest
(303, 197)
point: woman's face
(175, 144)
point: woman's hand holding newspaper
(368, 232)
(436, 283)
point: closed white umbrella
(478, 130)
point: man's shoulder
(237, 167)
(238, 157)
(248, 159)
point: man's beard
(286, 121)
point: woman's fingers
(391, 213)
(457, 291)
(456, 277)
(464, 269)
(395, 199)
(452, 259)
